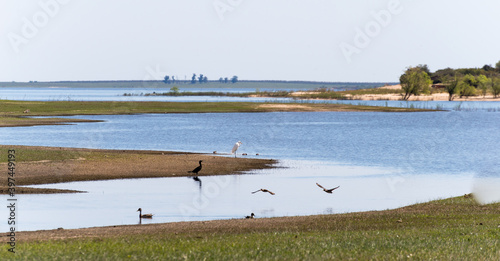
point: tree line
(462, 82)
(200, 79)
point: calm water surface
(380, 160)
(224, 197)
(116, 94)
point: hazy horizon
(317, 40)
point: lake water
(116, 94)
(380, 160)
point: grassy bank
(51, 108)
(450, 229)
(14, 113)
(45, 165)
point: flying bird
(197, 169)
(251, 216)
(145, 215)
(327, 190)
(235, 148)
(264, 190)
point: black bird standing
(197, 169)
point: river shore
(46, 165)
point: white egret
(235, 148)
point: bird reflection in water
(197, 180)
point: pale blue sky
(317, 40)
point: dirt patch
(288, 107)
(27, 122)
(90, 164)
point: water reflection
(224, 197)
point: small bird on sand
(197, 169)
(264, 190)
(251, 216)
(327, 190)
(144, 215)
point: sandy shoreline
(72, 164)
(440, 96)
(437, 96)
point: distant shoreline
(186, 84)
(440, 96)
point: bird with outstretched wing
(264, 190)
(327, 190)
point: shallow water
(224, 197)
(428, 142)
(380, 160)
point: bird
(197, 169)
(327, 190)
(145, 215)
(197, 179)
(251, 216)
(264, 190)
(235, 148)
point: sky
(313, 40)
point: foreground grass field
(450, 229)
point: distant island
(187, 84)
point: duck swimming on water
(251, 216)
(145, 215)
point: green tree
(414, 82)
(488, 68)
(234, 79)
(441, 76)
(452, 88)
(174, 90)
(483, 83)
(468, 85)
(497, 66)
(193, 79)
(495, 86)
(424, 68)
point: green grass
(450, 229)
(372, 91)
(316, 94)
(37, 154)
(53, 108)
